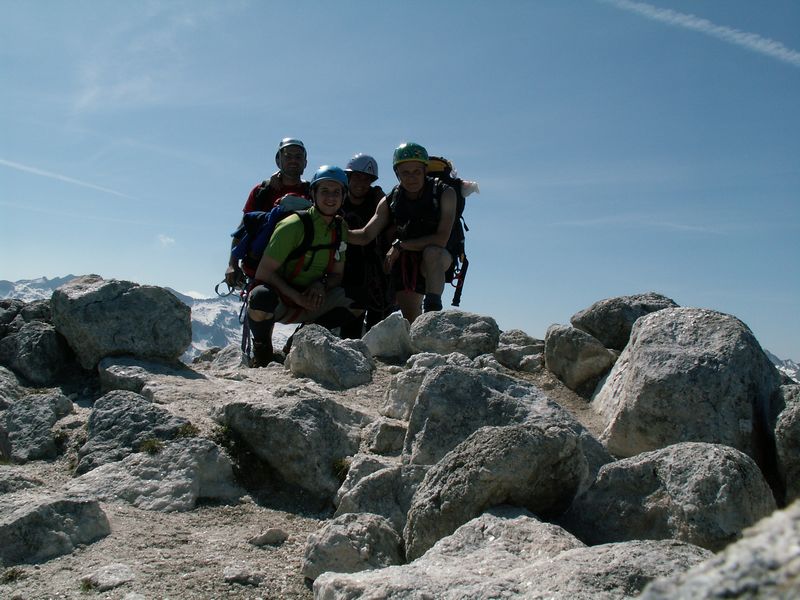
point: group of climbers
(356, 254)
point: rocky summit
(644, 450)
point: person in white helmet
(364, 278)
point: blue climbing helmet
(328, 173)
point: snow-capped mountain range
(215, 321)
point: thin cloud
(34, 171)
(165, 240)
(749, 41)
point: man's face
(328, 197)
(293, 161)
(359, 183)
(411, 176)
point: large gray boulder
(102, 318)
(303, 441)
(387, 492)
(335, 363)
(171, 478)
(352, 543)
(764, 564)
(611, 320)
(120, 423)
(787, 441)
(404, 386)
(28, 423)
(536, 467)
(507, 553)
(36, 352)
(10, 389)
(687, 374)
(705, 494)
(449, 331)
(390, 339)
(576, 358)
(454, 401)
(35, 527)
(361, 465)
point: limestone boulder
(352, 543)
(121, 423)
(390, 339)
(35, 527)
(102, 318)
(764, 564)
(576, 358)
(302, 440)
(10, 389)
(705, 494)
(170, 477)
(384, 436)
(387, 492)
(449, 331)
(536, 467)
(361, 465)
(454, 401)
(404, 386)
(28, 423)
(518, 351)
(36, 352)
(335, 363)
(687, 374)
(787, 441)
(508, 553)
(612, 319)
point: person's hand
(314, 296)
(391, 257)
(232, 275)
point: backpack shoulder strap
(308, 234)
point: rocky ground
(206, 553)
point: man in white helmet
(364, 279)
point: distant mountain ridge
(215, 321)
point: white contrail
(41, 173)
(750, 41)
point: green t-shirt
(288, 235)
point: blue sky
(621, 147)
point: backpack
(257, 228)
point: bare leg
(410, 304)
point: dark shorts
(407, 275)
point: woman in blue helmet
(306, 288)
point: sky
(621, 147)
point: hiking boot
(262, 354)
(432, 303)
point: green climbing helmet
(409, 152)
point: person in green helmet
(422, 210)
